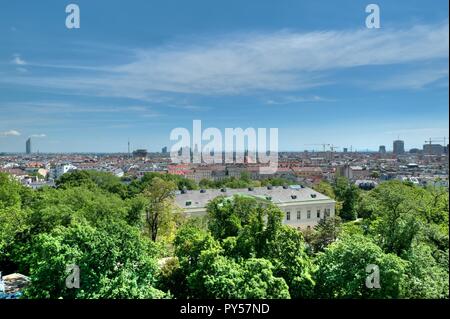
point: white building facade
(303, 207)
(61, 169)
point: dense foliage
(129, 241)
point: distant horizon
(363, 150)
(389, 148)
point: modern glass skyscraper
(399, 147)
(28, 146)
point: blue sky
(138, 69)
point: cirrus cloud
(10, 133)
(38, 135)
(238, 64)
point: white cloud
(188, 107)
(38, 135)
(58, 111)
(17, 60)
(416, 79)
(279, 61)
(296, 99)
(9, 133)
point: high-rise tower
(399, 147)
(28, 146)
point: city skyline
(313, 71)
(381, 149)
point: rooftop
(14, 282)
(277, 194)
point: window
(288, 215)
(318, 213)
(308, 214)
(299, 214)
(327, 212)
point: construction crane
(333, 148)
(429, 148)
(436, 139)
(443, 139)
(324, 145)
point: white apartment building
(61, 169)
(303, 207)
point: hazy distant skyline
(316, 148)
(135, 71)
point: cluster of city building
(303, 206)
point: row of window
(327, 213)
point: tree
(109, 182)
(227, 216)
(251, 238)
(375, 174)
(13, 218)
(9, 191)
(185, 183)
(275, 181)
(136, 210)
(114, 262)
(207, 183)
(74, 179)
(427, 278)
(245, 176)
(137, 186)
(248, 229)
(159, 206)
(325, 233)
(229, 266)
(395, 218)
(347, 193)
(325, 188)
(261, 282)
(13, 222)
(366, 206)
(189, 243)
(241, 249)
(50, 208)
(172, 279)
(220, 277)
(91, 179)
(54, 207)
(341, 270)
(286, 250)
